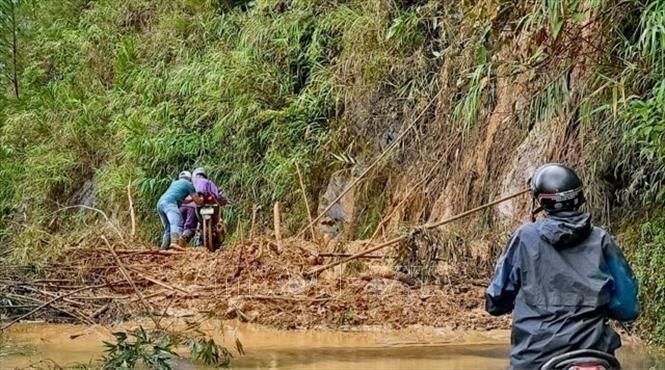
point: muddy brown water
(370, 348)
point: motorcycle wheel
(207, 235)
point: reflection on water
(473, 356)
(416, 348)
(413, 357)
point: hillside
(460, 101)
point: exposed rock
(85, 195)
(339, 218)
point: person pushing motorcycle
(561, 277)
(180, 191)
(204, 186)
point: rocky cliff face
(524, 118)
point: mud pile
(254, 281)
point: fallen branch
(172, 296)
(403, 237)
(131, 282)
(132, 251)
(340, 255)
(5, 307)
(49, 294)
(100, 311)
(285, 298)
(39, 308)
(405, 199)
(158, 282)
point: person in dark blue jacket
(561, 277)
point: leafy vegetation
(648, 255)
(137, 91)
(146, 350)
(210, 353)
(155, 349)
(98, 96)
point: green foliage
(637, 97)
(646, 245)
(550, 101)
(210, 353)
(137, 91)
(147, 349)
(114, 92)
(10, 44)
(155, 349)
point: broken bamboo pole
(251, 229)
(304, 197)
(309, 212)
(277, 219)
(158, 282)
(372, 257)
(125, 274)
(46, 304)
(132, 214)
(403, 201)
(426, 226)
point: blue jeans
(169, 214)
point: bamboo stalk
(304, 197)
(403, 237)
(277, 218)
(378, 257)
(132, 215)
(158, 282)
(131, 282)
(403, 201)
(285, 298)
(251, 229)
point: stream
(42, 345)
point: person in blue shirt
(180, 191)
(561, 277)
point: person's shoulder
(184, 183)
(529, 228)
(601, 233)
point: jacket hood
(565, 229)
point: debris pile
(254, 281)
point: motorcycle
(212, 230)
(583, 359)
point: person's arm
(214, 190)
(624, 305)
(193, 196)
(501, 294)
(197, 198)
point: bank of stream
(41, 345)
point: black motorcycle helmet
(556, 188)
